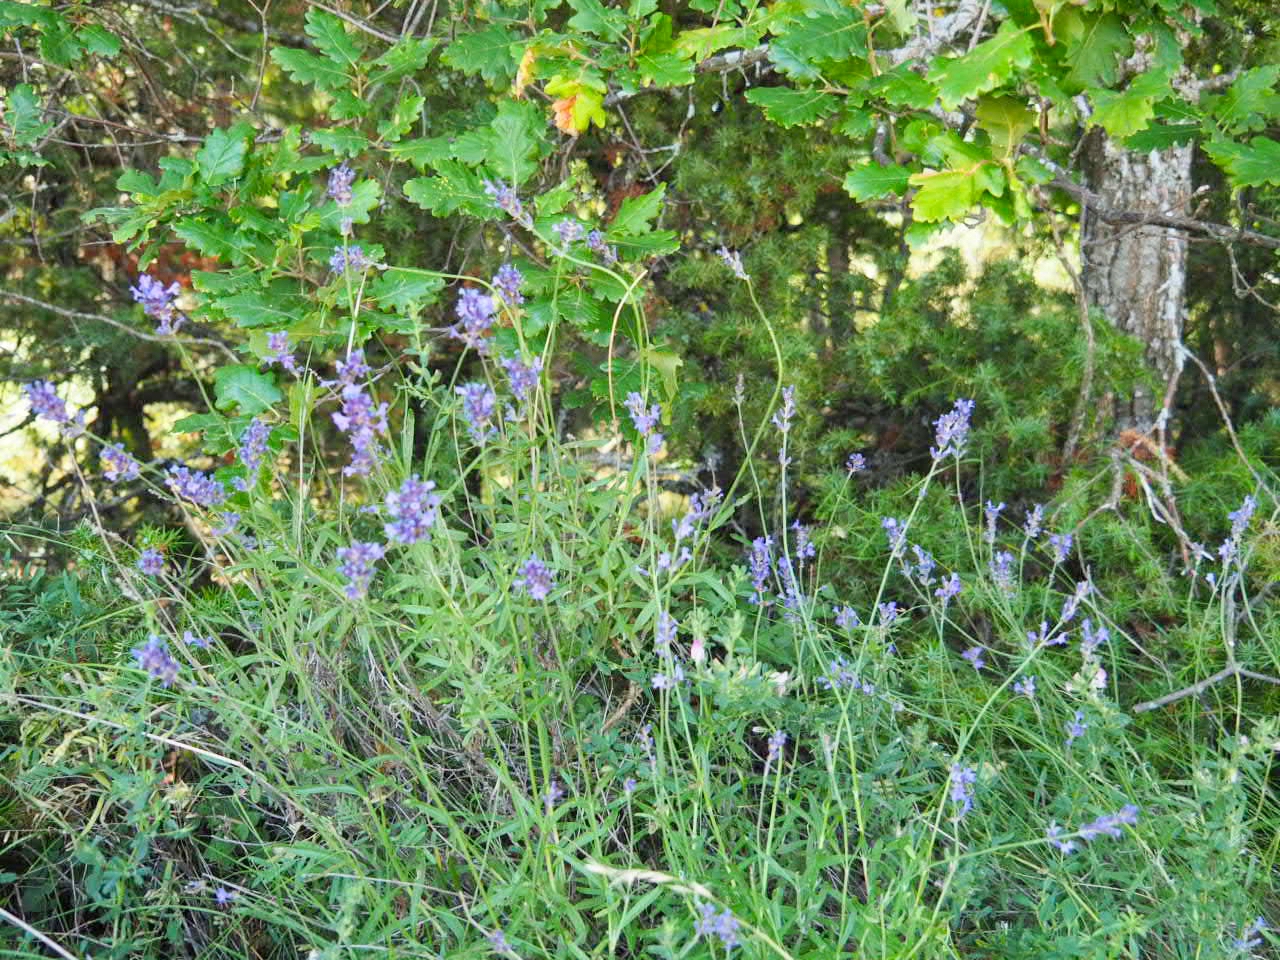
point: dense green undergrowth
(551, 708)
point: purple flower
(1072, 603)
(507, 281)
(629, 785)
(413, 511)
(644, 419)
(951, 587)
(847, 618)
(961, 781)
(340, 180)
(665, 631)
(760, 558)
(1061, 544)
(723, 925)
(200, 488)
(153, 657)
(669, 681)
(1090, 639)
(230, 520)
(840, 676)
(1110, 824)
(475, 311)
(151, 562)
(1239, 524)
(1250, 936)
(777, 741)
(993, 511)
(896, 533)
(1076, 728)
(478, 405)
(345, 258)
(362, 421)
(223, 896)
(952, 431)
(733, 260)
(553, 795)
(568, 231)
(253, 450)
(351, 369)
(536, 579)
(523, 377)
(1001, 566)
(596, 244)
(118, 464)
(924, 564)
(191, 640)
(1034, 521)
(278, 344)
(46, 403)
(506, 199)
(498, 942)
(889, 612)
(1026, 686)
(783, 416)
(157, 303)
(1054, 833)
(974, 656)
(805, 549)
(356, 564)
(856, 463)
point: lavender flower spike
(154, 657)
(46, 403)
(1110, 824)
(356, 564)
(733, 260)
(413, 510)
(952, 431)
(118, 464)
(962, 780)
(536, 579)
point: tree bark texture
(1136, 274)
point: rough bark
(1137, 274)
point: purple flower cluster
(569, 231)
(199, 488)
(46, 403)
(1107, 824)
(897, 534)
(1072, 603)
(723, 925)
(340, 180)
(1001, 566)
(356, 564)
(118, 464)
(856, 463)
(151, 562)
(760, 561)
(1091, 639)
(665, 630)
(507, 200)
(974, 656)
(925, 564)
(840, 676)
(278, 344)
(847, 618)
(950, 587)
(359, 417)
(507, 281)
(992, 511)
(645, 418)
(1230, 547)
(1026, 686)
(348, 258)
(777, 741)
(1076, 727)
(154, 657)
(1034, 521)
(253, 451)
(478, 405)
(804, 548)
(498, 943)
(536, 578)
(192, 640)
(413, 510)
(671, 680)
(553, 795)
(733, 260)
(1250, 936)
(597, 244)
(522, 377)
(157, 303)
(952, 431)
(961, 782)
(475, 312)
(1060, 543)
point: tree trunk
(1137, 275)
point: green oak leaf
(237, 385)
(987, 66)
(790, 108)
(1249, 165)
(869, 180)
